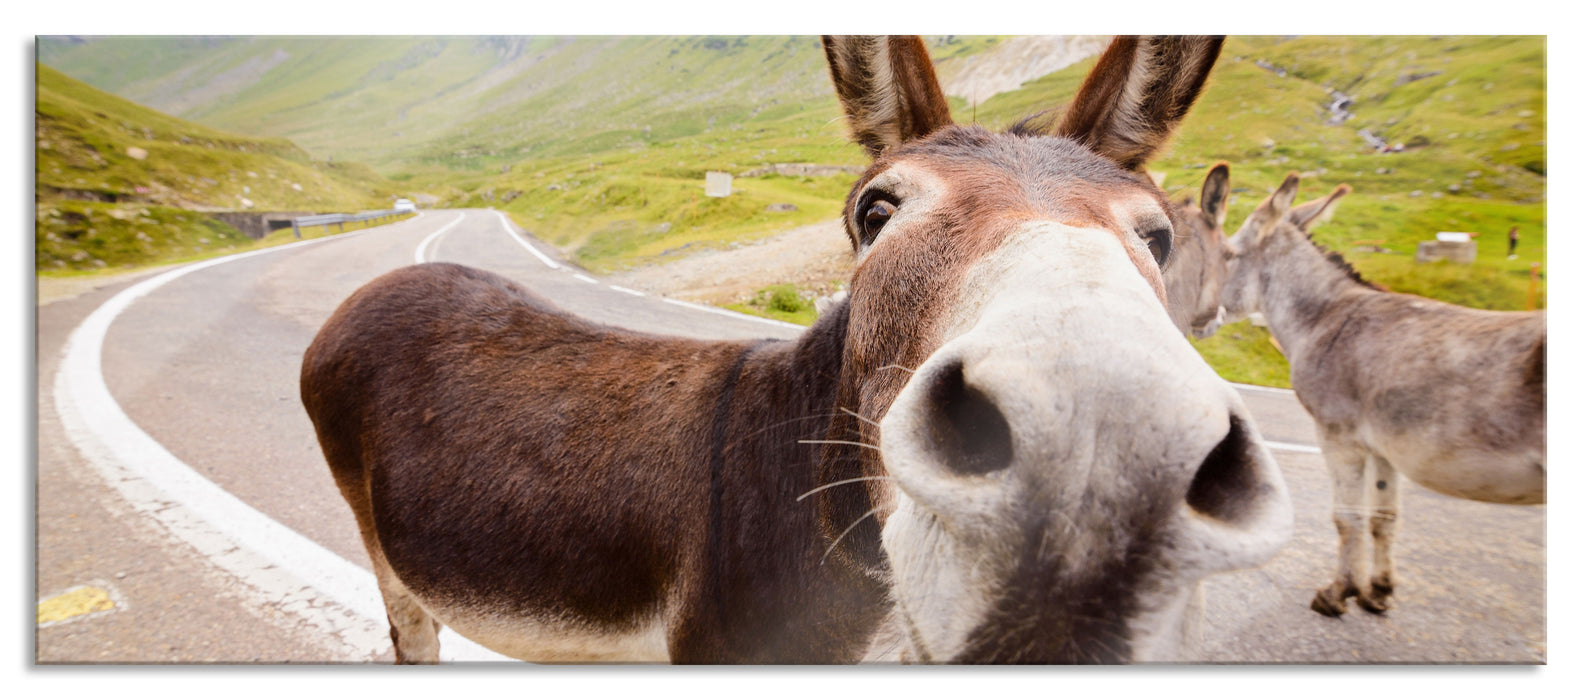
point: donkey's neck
(769, 586)
(1303, 285)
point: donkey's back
(441, 397)
(1452, 396)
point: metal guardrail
(340, 220)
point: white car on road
(405, 205)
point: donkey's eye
(1158, 241)
(875, 217)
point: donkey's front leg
(413, 632)
(1386, 501)
(1346, 471)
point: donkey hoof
(1382, 587)
(1323, 605)
(1374, 604)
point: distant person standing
(1513, 237)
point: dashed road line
(732, 314)
(624, 290)
(584, 278)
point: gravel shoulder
(815, 257)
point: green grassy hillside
(116, 183)
(1469, 110)
(405, 104)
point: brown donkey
(1450, 397)
(998, 449)
(1196, 272)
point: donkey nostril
(969, 432)
(1225, 481)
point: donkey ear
(1138, 92)
(887, 87)
(1273, 210)
(1216, 193)
(1318, 211)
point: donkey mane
(1339, 261)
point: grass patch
(86, 238)
(1242, 352)
(781, 302)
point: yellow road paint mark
(77, 601)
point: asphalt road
(223, 537)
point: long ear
(1305, 216)
(1273, 210)
(1140, 90)
(887, 86)
(1216, 193)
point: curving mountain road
(178, 471)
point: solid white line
(1265, 389)
(422, 247)
(542, 257)
(632, 292)
(1293, 447)
(282, 568)
(732, 314)
(584, 278)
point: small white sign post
(717, 184)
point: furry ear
(1216, 193)
(1273, 210)
(1138, 92)
(887, 87)
(1309, 214)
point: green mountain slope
(117, 183)
(461, 103)
(1469, 112)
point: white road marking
(423, 247)
(632, 292)
(584, 278)
(732, 314)
(282, 568)
(542, 257)
(1264, 389)
(1293, 447)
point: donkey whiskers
(842, 535)
(860, 417)
(908, 370)
(833, 484)
(837, 442)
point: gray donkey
(1451, 397)
(1196, 269)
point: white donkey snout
(1066, 416)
